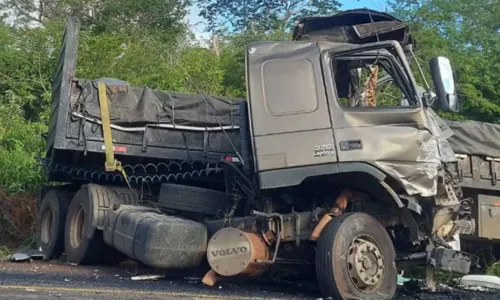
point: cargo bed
(477, 148)
(149, 127)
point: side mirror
(442, 76)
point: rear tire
(79, 248)
(355, 259)
(51, 216)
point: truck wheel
(355, 259)
(51, 215)
(79, 248)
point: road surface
(52, 280)
(58, 280)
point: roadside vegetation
(494, 269)
(158, 50)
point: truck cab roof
(358, 26)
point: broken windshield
(370, 82)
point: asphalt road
(52, 280)
(58, 280)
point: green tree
(468, 32)
(261, 15)
(102, 15)
(144, 54)
(27, 60)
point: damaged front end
(440, 212)
(443, 217)
(436, 227)
(452, 218)
(451, 212)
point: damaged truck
(336, 158)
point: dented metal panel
(406, 153)
(400, 141)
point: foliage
(24, 95)
(102, 15)
(468, 32)
(27, 60)
(261, 15)
(494, 269)
(4, 252)
(20, 145)
(147, 61)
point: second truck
(336, 159)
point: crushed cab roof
(357, 26)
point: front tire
(355, 259)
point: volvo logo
(229, 251)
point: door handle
(351, 145)
(492, 212)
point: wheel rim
(76, 230)
(365, 263)
(46, 226)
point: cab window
(370, 83)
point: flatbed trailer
(312, 168)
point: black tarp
(133, 106)
(475, 138)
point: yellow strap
(111, 164)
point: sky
(197, 23)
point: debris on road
(480, 281)
(134, 273)
(192, 278)
(23, 255)
(401, 280)
(20, 257)
(476, 288)
(147, 277)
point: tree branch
(24, 13)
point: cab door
(379, 119)
(290, 120)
